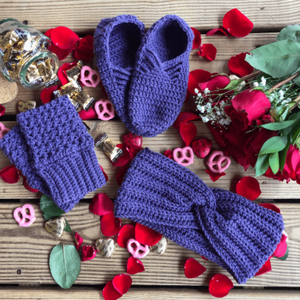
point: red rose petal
(248, 187)
(124, 158)
(270, 206)
(101, 205)
(201, 147)
(28, 187)
(217, 31)
(126, 232)
(220, 285)
(193, 269)
(78, 240)
(134, 266)
(2, 110)
(110, 225)
(48, 33)
(88, 253)
(131, 139)
(64, 37)
(239, 66)
(84, 50)
(215, 83)
(169, 154)
(195, 77)
(281, 248)
(121, 173)
(214, 176)
(203, 257)
(88, 115)
(122, 283)
(197, 38)
(236, 23)
(46, 93)
(61, 53)
(185, 117)
(109, 292)
(146, 236)
(188, 132)
(254, 102)
(10, 174)
(105, 175)
(208, 51)
(66, 66)
(265, 268)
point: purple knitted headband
(226, 228)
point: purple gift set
(145, 74)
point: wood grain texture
(226, 46)
(27, 249)
(170, 139)
(83, 16)
(94, 293)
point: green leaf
(282, 157)
(49, 208)
(67, 227)
(274, 144)
(285, 256)
(278, 125)
(297, 80)
(291, 32)
(277, 59)
(233, 84)
(64, 265)
(274, 162)
(262, 165)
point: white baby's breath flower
(263, 81)
(196, 91)
(255, 84)
(205, 119)
(206, 91)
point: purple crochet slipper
(159, 83)
(116, 42)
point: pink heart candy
(3, 130)
(87, 77)
(186, 156)
(22, 210)
(107, 111)
(216, 162)
(136, 249)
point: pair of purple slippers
(144, 74)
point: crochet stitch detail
(226, 228)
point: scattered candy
(24, 215)
(188, 132)
(104, 110)
(101, 205)
(136, 249)
(78, 240)
(110, 225)
(10, 174)
(126, 232)
(24, 105)
(3, 130)
(193, 269)
(220, 285)
(8, 91)
(132, 140)
(122, 283)
(248, 187)
(185, 157)
(146, 235)
(106, 246)
(56, 226)
(89, 77)
(218, 162)
(161, 246)
(134, 266)
(201, 147)
(88, 253)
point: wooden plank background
(27, 249)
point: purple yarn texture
(224, 227)
(52, 148)
(144, 75)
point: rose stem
(296, 100)
(279, 84)
(250, 75)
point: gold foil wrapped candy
(56, 226)
(106, 246)
(24, 105)
(161, 246)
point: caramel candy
(161, 246)
(108, 147)
(8, 90)
(106, 246)
(24, 105)
(56, 226)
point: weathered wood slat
(94, 293)
(170, 139)
(83, 16)
(227, 47)
(27, 249)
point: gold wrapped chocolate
(108, 147)
(161, 246)
(106, 246)
(86, 126)
(74, 73)
(56, 226)
(24, 105)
